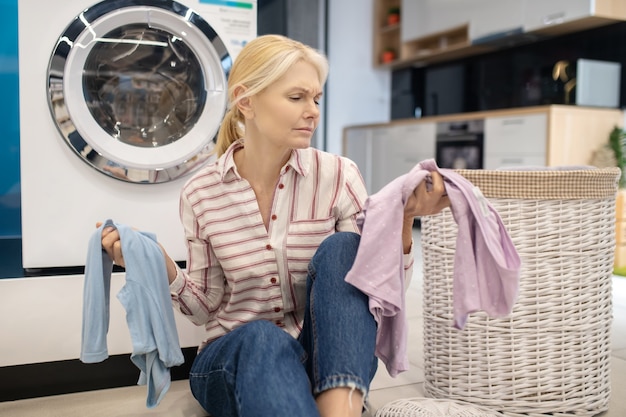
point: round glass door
(139, 91)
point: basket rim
(545, 183)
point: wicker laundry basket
(551, 356)
(433, 407)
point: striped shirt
(237, 271)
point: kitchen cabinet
(483, 17)
(357, 145)
(490, 19)
(427, 17)
(435, 31)
(515, 140)
(556, 135)
(546, 135)
(428, 29)
(561, 16)
(399, 150)
(386, 151)
(380, 146)
(575, 133)
(417, 20)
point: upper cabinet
(439, 30)
(563, 16)
(427, 17)
(493, 19)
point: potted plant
(388, 55)
(617, 142)
(393, 16)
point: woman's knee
(339, 247)
(343, 239)
(263, 340)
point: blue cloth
(146, 299)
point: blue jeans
(260, 370)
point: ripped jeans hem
(342, 381)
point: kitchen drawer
(516, 134)
(513, 160)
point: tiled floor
(127, 402)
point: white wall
(40, 318)
(357, 93)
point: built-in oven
(459, 144)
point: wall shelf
(456, 42)
(386, 35)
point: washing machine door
(138, 88)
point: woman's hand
(428, 198)
(112, 245)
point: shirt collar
(227, 160)
(299, 161)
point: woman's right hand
(112, 245)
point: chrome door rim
(82, 132)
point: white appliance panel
(62, 196)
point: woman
(271, 233)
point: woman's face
(286, 113)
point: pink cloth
(486, 268)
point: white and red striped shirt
(237, 271)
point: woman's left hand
(429, 197)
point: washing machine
(120, 102)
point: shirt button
(279, 323)
(277, 309)
(281, 186)
(273, 280)
(287, 168)
(268, 247)
(274, 217)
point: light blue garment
(146, 299)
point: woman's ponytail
(229, 131)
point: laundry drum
(551, 355)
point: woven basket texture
(551, 356)
(432, 407)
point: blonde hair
(260, 63)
